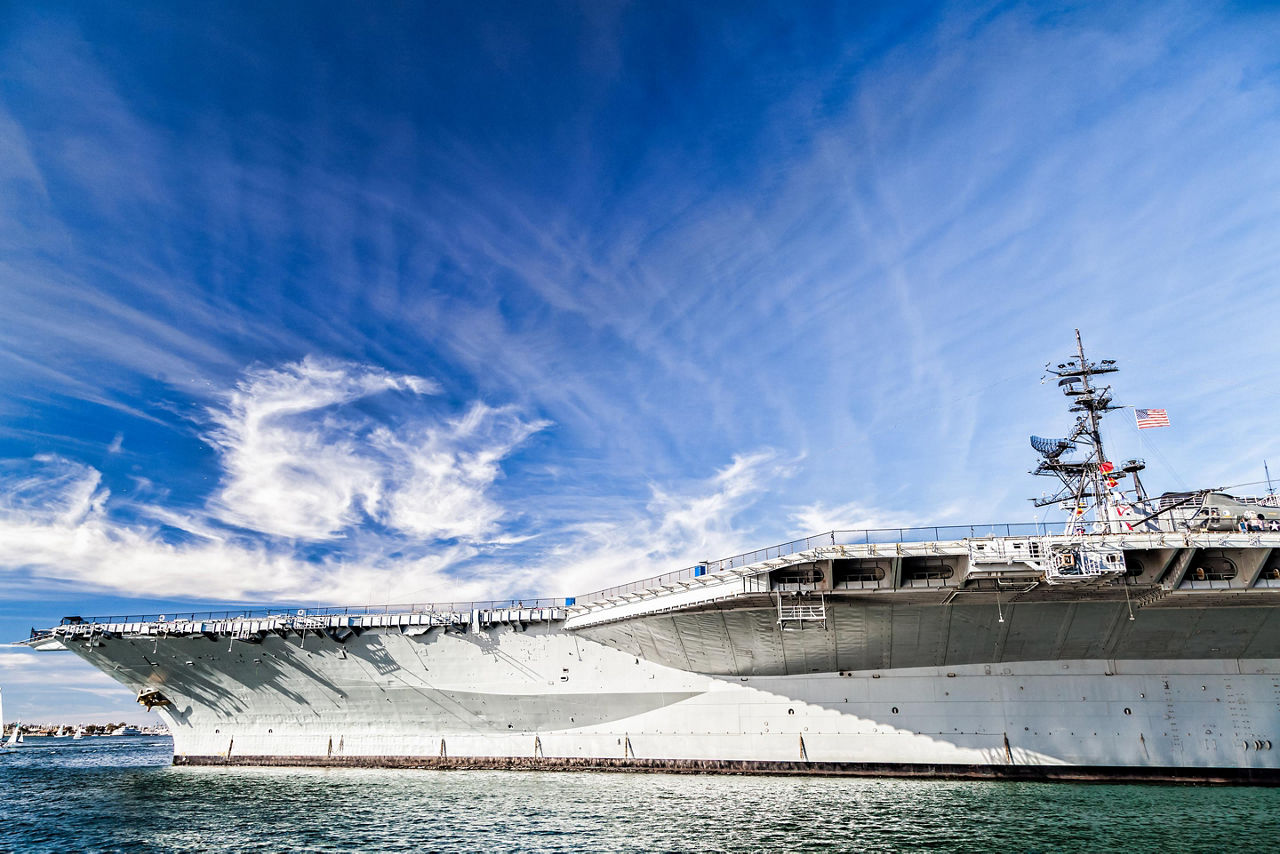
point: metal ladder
(801, 611)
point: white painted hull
(545, 694)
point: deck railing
(348, 610)
(870, 536)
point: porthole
(1128, 711)
(791, 711)
(895, 710)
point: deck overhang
(997, 561)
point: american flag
(1151, 418)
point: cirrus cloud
(395, 497)
(300, 462)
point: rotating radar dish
(1052, 448)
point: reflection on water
(117, 794)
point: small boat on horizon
(4, 747)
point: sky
(334, 303)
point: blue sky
(329, 303)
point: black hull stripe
(1063, 773)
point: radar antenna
(1086, 483)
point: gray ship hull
(539, 696)
(1141, 643)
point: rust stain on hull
(1040, 773)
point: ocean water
(121, 794)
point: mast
(1085, 483)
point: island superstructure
(1139, 639)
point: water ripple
(122, 795)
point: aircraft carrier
(1137, 640)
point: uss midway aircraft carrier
(1139, 640)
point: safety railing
(869, 536)
(352, 610)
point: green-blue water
(121, 794)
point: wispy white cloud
(57, 524)
(54, 523)
(817, 518)
(299, 463)
(293, 465)
(439, 476)
(677, 528)
(703, 522)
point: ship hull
(1143, 644)
(542, 697)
